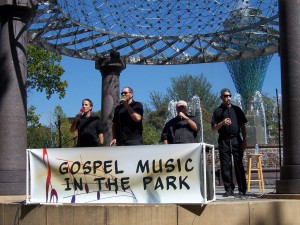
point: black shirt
(178, 131)
(236, 115)
(88, 130)
(126, 127)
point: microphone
(82, 111)
(122, 100)
(229, 117)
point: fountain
(171, 110)
(256, 116)
(237, 100)
(248, 74)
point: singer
(89, 127)
(229, 120)
(127, 121)
(181, 129)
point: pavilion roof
(158, 32)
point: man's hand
(227, 121)
(123, 101)
(113, 142)
(182, 115)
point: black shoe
(228, 193)
(242, 194)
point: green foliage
(55, 135)
(39, 137)
(150, 134)
(32, 118)
(157, 100)
(97, 113)
(63, 136)
(186, 86)
(157, 117)
(182, 88)
(44, 72)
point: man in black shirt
(229, 120)
(181, 129)
(90, 131)
(127, 122)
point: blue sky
(85, 82)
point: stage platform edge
(233, 211)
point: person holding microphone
(127, 128)
(89, 127)
(229, 121)
(181, 129)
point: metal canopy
(158, 32)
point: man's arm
(134, 115)
(101, 138)
(114, 135)
(164, 134)
(217, 126)
(244, 134)
(137, 117)
(191, 123)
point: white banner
(127, 174)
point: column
(289, 12)
(14, 16)
(110, 69)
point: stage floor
(254, 194)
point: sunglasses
(124, 93)
(180, 107)
(225, 96)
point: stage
(255, 209)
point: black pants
(132, 142)
(228, 149)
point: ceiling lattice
(158, 31)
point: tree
(63, 136)
(151, 136)
(186, 86)
(44, 72)
(182, 88)
(32, 118)
(56, 135)
(157, 117)
(38, 136)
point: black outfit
(88, 130)
(230, 145)
(128, 132)
(178, 131)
